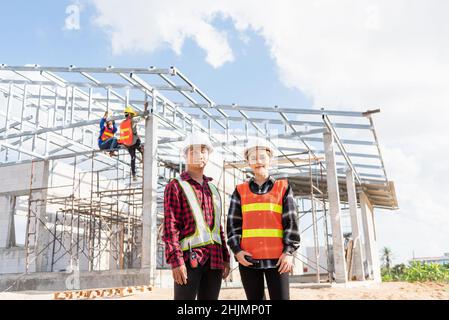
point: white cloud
(142, 25)
(358, 54)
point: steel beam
(274, 109)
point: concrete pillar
(113, 248)
(341, 275)
(371, 250)
(357, 262)
(6, 221)
(42, 249)
(149, 213)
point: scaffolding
(105, 223)
(51, 114)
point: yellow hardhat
(130, 110)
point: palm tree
(386, 257)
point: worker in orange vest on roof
(106, 139)
(262, 227)
(129, 137)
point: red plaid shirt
(179, 223)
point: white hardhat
(195, 139)
(257, 143)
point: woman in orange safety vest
(262, 227)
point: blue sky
(359, 55)
(34, 33)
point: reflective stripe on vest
(262, 229)
(126, 133)
(202, 235)
(268, 233)
(107, 134)
(262, 207)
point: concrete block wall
(6, 203)
(54, 281)
(16, 181)
(12, 260)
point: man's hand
(106, 114)
(180, 274)
(285, 263)
(241, 258)
(226, 270)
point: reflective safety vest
(107, 134)
(203, 234)
(126, 132)
(262, 229)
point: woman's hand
(285, 263)
(241, 258)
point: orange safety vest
(262, 229)
(126, 132)
(107, 134)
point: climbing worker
(129, 137)
(262, 227)
(195, 246)
(106, 139)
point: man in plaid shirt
(197, 271)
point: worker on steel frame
(106, 139)
(129, 136)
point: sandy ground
(384, 291)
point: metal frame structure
(51, 114)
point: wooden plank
(122, 249)
(349, 257)
(58, 296)
(100, 293)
